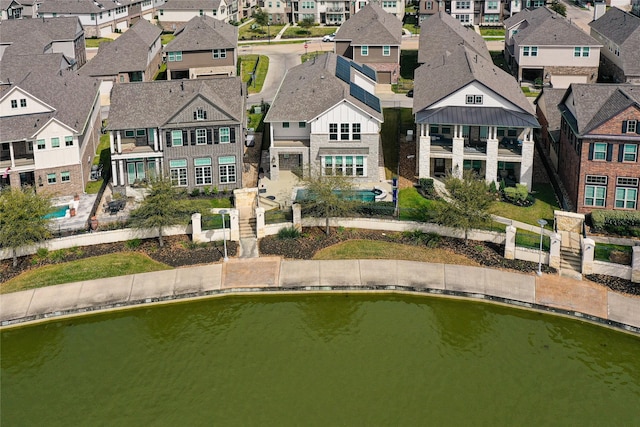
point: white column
(234, 225)
(510, 243)
(114, 173)
(121, 167)
(526, 164)
(458, 152)
(155, 139)
(491, 166)
(112, 148)
(196, 227)
(424, 157)
(13, 160)
(297, 217)
(588, 252)
(119, 142)
(260, 231)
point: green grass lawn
(307, 56)
(162, 72)
(414, 207)
(92, 268)
(413, 29)
(396, 122)
(403, 85)
(166, 38)
(248, 64)
(613, 253)
(102, 152)
(543, 207)
(531, 240)
(408, 63)
(298, 32)
(95, 42)
(260, 33)
(492, 32)
(498, 59)
(256, 121)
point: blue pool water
(59, 212)
(361, 195)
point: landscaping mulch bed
(177, 251)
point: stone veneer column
(554, 250)
(297, 216)
(635, 265)
(118, 142)
(196, 227)
(121, 170)
(510, 243)
(424, 152)
(491, 165)
(526, 164)
(114, 173)
(234, 225)
(588, 251)
(457, 166)
(260, 231)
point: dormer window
(200, 114)
(474, 99)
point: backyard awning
(477, 116)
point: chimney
(599, 9)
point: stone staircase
(247, 227)
(570, 256)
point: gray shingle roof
(546, 28)
(548, 101)
(191, 5)
(594, 104)
(371, 26)
(31, 36)
(80, 7)
(440, 33)
(623, 29)
(129, 52)
(204, 33)
(311, 88)
(16, 67)
(152, 104)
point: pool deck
(560, 295)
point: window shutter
(624, 126)
(232, 135)
(620, 152)
(195, 115)
(209, 137)
(609, 152)
(205, 114)
(185, 138)
(216, 136)
(193, 137)
(638, 127)
(168, 138)
(591, 151)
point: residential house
(426, 8)
(599, 139)
(511, 7)
(204, 47)
(173, 14)
(325, 120)
(467, 12)
(190, 130)
(18, 9)
(100, 19)
(279, 11)
(38, 36)
(373, 37)
(394, 7)
(470, 114)
(619, 32)
(49, 124)
(549, 117)
(635, 7)
(332, 12)
(541, 46)
(135, 56)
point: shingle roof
(548, 101)
(79, 6)
(16, 67)
(371, 26)
(204, 33)
(152, 104)
(191, 5)
(623, 29)
(546, 28)
(310, 89)
(129, 52)
(594, 104)
(31, 36)
(440, 33)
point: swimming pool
(360, 195)
(58, 212)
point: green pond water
(321, 360)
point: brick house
(190, 130)
(599, 139)
(373, 37)
(204, 47)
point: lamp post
(224, 231)
(542, 223)
(269, 32)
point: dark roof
(32, 36)
(153, 104)
(129, 52)
(191, 5)
(16, 67)
(548, 101)
(543, 27)
(371, 26)
(204, 33)
(623, 29)
(440, 33)
(594, 104)
(474, 116)
(80, 7)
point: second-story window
(364, 50)
(492, 5)
(333, 131)
(630, 126)
(174, 56)
(219, 53)
(474, 99)
(200, 114)
(530, 51)
(580, 51)
(386, 50)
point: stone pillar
(297, 216)
(588, 251)
(526, 166)
(196, 227)
(121, 169)
(260, 230)
(457, 166)
(510, 243)
(424, 157)
(491, 167)
(234, 225)
(114, 173)
(554, 251)
(635, 265)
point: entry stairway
(248, 236)
(570, 256)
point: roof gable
(605, 128)
(372, 25)
(16, 93)
(215, 113)
(544, 28)
(441, 34)
(204, 33)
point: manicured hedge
(623, 223)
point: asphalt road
(580, 17)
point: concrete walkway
(584, 300)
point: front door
(438, 169)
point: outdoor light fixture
(542, 223)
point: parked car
(410, 93)
(329, 37)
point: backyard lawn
(295, 32)
(247, 64)
(492, 32)
(95, 42)
(166, 38)
(543, 207)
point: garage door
(105, 31)
(563, 82)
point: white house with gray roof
(619, 32)
(18, 9)
(174, 13)
(470, 115)
(190, 130)
(541, 45)
(326, 120)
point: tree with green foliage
(22, 219)
(559, 8)
(306, 23)
(467, 205)
(160, 208)
(261, 17)
(329, 196)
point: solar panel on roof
(369, 72)
(363, 96)
(343, 70)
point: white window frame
(364, 50)
(344, 165)
(633, 152)
(55, 142)
(178, 173)
(219, 53)
(632, 126)
(51, 178)
(624, 199)
(174, 138)
(174, 56)
(594, 196)
(386, 50)
(201, 136)
(333, 131)
(227, 171)
(65, 176)
(597, 152)
(226, 138)
(68, 141)
(203, 172)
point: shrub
(133, 243)
(288, 233)
(623, 223)
(427, 189)
(518, 195)
(195, 192)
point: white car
(329, 37)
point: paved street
(578, 16)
